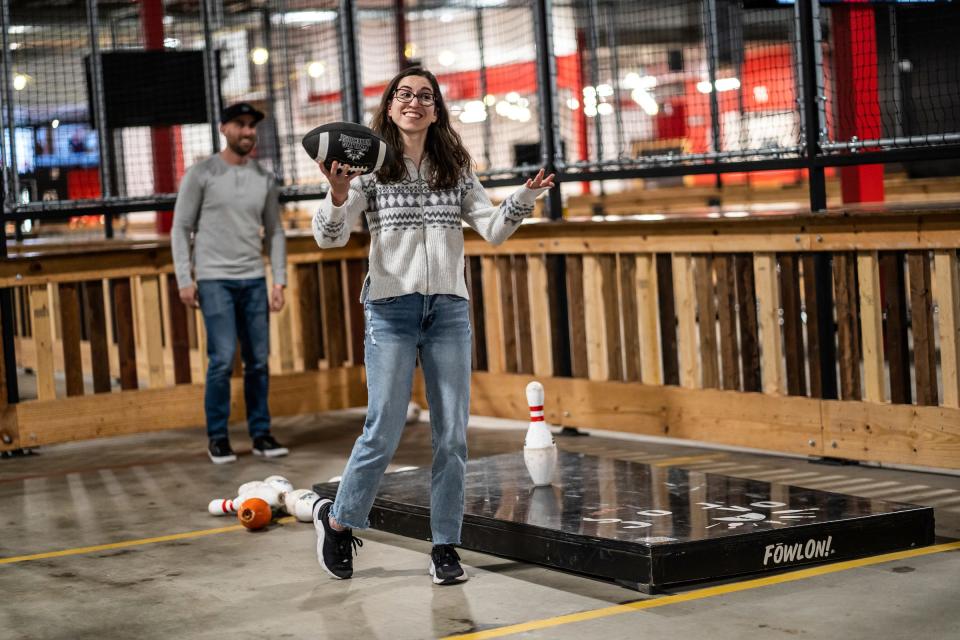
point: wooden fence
(709, 329)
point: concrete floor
(204, 583)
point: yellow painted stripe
(131, 543)
(678, 460)
(546, 623)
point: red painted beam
(165, 151)
(857, 94)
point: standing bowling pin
(539, 450)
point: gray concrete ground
(268, 584)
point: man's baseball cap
(240, 109)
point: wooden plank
(668, 319)
(595, 320)
(921, 318)
(893, 284)
(723, 417)
(706, 320)
(871, 325)
(813, 328)
(97, 324)
(152, 330)
(848, 350)
(522, 304)
(792, 324)
(632, 354)
(749, 328)
(612, 344)
(541, 334)
(473, 270)
(308, 295)
(70, 327)
(685, 296)
(768, 303)
(576, 316)
(724, 272)
(179, 340)
(946, 294)
(508, 317)
(43, 339)
(648, 306)
(334, 316)
(493, 315)
(176, 407)
(201, 345)
(897, 434)
(126, 348)
(356, 273)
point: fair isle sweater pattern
(403, 209)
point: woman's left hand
(539, 182)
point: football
(347, 143)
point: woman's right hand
(339, 176)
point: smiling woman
(415, 306)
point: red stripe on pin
(536, 419)
(540, 408)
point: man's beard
(238, 149)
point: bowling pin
(222, 507)
(539, 450)
(279, 483)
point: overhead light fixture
(259, 56)
(316, 69)
(55, 123)
(303, 17)
(446, 58)
(20, 81)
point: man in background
(223, 203)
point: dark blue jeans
(235, 309)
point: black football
(347, 143)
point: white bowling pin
(303, 509)
(266, 493)
(290, 500)
(279, 483)
(539, 451)
(222, 507)
(247, 487)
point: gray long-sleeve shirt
(224, 206)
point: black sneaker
(445, 565)
(335, 549)
(220, 452)
(268, 447)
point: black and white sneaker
(335, 549)
(220, 452)
(445, 565)
(268, 447)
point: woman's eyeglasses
(406, 96)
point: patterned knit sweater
(416, 233)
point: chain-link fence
(629, 87)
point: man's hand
(276, 298)
(188, 296)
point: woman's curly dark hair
(448, 157)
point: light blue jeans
(437, 327)
(235, 309)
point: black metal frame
(810, 156)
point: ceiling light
(259, 56)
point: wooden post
(871, 325)
(946, 292)
(768, 301)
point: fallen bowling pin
(222, 507)
(303, 509)
(265, 492)
(539, 450)
(254, 514)
(279, 483)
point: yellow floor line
(700, 594)
(131, 543)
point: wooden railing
(708, 329)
